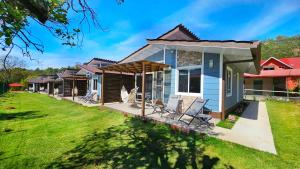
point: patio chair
(90, 98)
(195, 111)
(132, 95)
(88, 93)
(171, 107)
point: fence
(253, 94)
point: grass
(41, 132)
(228, 124)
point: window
(189, 80)
(228, 81)
(268, 68)
(95, 84)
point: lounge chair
(90, 98)
(88, 93)
(171, 107)
(195, 111)
(132, 95)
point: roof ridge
(181, 28)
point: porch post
(73, 87)
(143, 88)
(102, 88)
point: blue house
(92, 72)
(210, 69)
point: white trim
(276, 60)
(231, 72)
(222, 47)
(221, 82)
(177, 81)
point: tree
(11, 69)
(17, 15)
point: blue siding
(169, 83)
(232, 100)
(159, 56)
(211, 81)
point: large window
(228, 81)
(95, 84)
(189, 80)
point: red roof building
(275, 75)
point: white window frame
(189, 68)
(229, 94)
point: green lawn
(41, 132)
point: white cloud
(268, 21)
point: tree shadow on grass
(138, 144)
(21, 115)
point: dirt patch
(10, 108)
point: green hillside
(282, 46)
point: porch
(135, 110)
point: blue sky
(131, 23)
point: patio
(136, 108)
(251, 130)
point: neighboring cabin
(93, 74)
(276, 75)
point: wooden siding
(80, 84)
(113, 84)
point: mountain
(281, 46)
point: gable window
(228, 81)
(95, 84)
(189, 80)
(268, 68)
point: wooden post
(102, 87)
(73, 87)
(143, 88)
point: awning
(141, 66)
(136, 67)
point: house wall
(237, 91)
(169, 79)
(91, 83)
(211, 81)
(267, 84)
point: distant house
(210, 69)
(93, 73)
(41, 83)
(276, 75)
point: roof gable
(276, 61)
(179, 32)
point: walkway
(252, 129)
